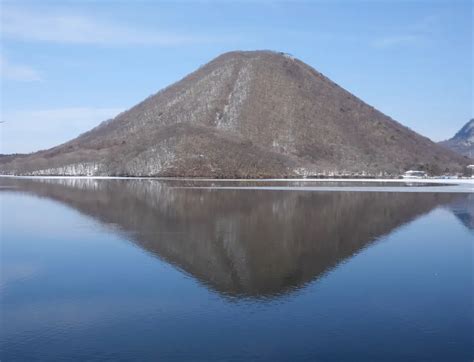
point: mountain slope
(463, 141)
(244, 114)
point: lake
(157, 270)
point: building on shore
(411, 174)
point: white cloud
(18, 72)
(28, 131)
(58, 27)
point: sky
(68, 65)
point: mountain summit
(463, 141)
(244, 114)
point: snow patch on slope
(229, 119)
(76, 169)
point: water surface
(160, 270)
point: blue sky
(66, 66)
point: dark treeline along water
(146, 270)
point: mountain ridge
(463, 141)
(244, 114)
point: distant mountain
(463, 141)
(245, 114)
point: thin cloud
(18, 72)
(32, 130)
(397, 41)
(418, 33)
(67, 28)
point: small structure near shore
(411, 174)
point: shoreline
(431, 185)
(436, 180)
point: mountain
(463, 141)
(244, 114)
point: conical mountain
(244, 114)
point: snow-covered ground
(467, 181)
(436, 189)
(463, 185)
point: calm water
(146, 270)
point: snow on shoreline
(460, 181)
(436, 185)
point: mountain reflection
(463, 209)
(241, 243)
